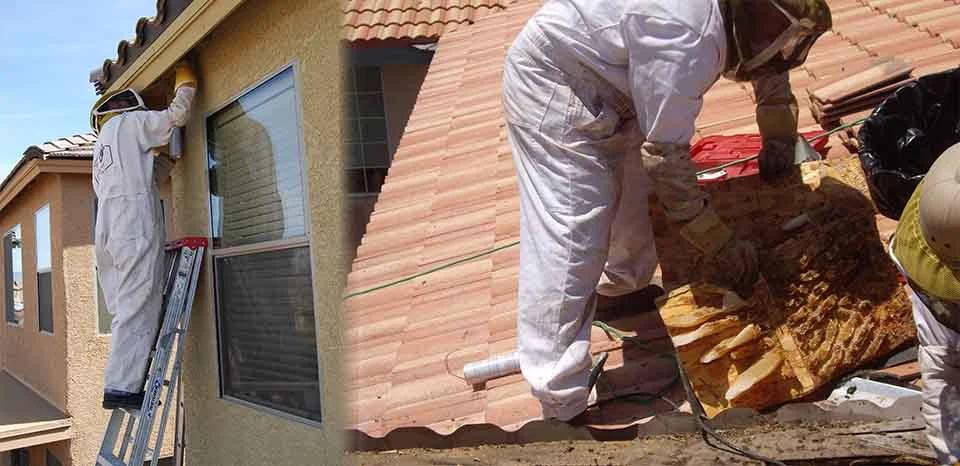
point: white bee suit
(580, 98)
(129, 234)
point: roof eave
(157, 53)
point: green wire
(610, 331)
(605, 327)
(427, 272)
(628, 339)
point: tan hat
(928, 235)
(940, 207)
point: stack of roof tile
(451, 193)
(858, 92)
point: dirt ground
(794, 445)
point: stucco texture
(37, 359)
(66, 367)
(86, 349)
(255, 41)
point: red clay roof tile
(411, 19)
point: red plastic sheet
(712, 151)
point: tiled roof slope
(451, 193)
(147, 31)
(76, 146)
(411, 19)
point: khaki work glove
(777, 114)
(674, 177)
(777, 158)
(183, 75)
(725, 260)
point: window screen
(13, 276)
(368, 154)
(255, 174)
(265, 317)
(44, 270)
(267, 326)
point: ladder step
(103, 460)
(184, 260)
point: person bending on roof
(129, 239)
(600, 99)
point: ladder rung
(181, 280)
(109, 461)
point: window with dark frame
(367, 147)
(44, 269)
(13, 276)
(261, 254)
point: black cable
(706, 431)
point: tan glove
(777, 114)
(674, 177)
(726, 261)
(183, 75)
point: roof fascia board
(33, 168)
(53, 433)
(200, 17)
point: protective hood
(114, 104)
(927, 270)
(767, 37)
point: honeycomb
(829, 302)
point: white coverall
(939, 357)
(129, 234)
(579, 100)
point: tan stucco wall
(36, 358)
(256, 41)
(86, 349)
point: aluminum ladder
(183, 259)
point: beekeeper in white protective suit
(926, 246)
(600, 98)
(129, 231)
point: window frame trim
(268, 246)
(391, 145)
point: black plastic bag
(904, 136)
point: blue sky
(47, 49)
